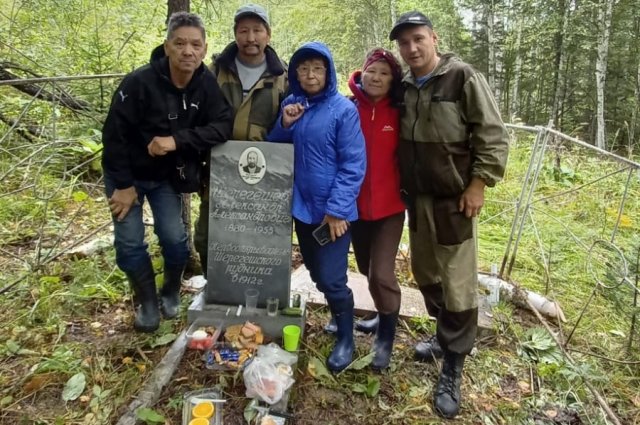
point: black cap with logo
(409, 18)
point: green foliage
(149, 416)
(370, 388)
(538, 346)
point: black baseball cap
(409, 18)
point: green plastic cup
(291, 337)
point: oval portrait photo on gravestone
(252, 165)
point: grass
(73, 316)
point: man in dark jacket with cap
(452, 144)
(253, 79)
(172, 106)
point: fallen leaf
(127, 360)
(95, 325)
(318, 370)
(84, 399)
(37, 382)
(141, 367)
(86, 362)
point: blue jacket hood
(313, 49)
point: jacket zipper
(184, 101)
(370, 164)
(413, 139)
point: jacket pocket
(452, 226)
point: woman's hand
(337, 226)
(291, 113)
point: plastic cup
(272, 306)
(199, 421)
(291, 337)
(251, 299)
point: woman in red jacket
(376, 234)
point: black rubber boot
(342, 352)
(429, 350)
(170, 292)
(144, 286)
(368, 326)
(383, 344)
(447, 398)
(331, 327)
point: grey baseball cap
(252, 9)
(409, 18)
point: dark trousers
(327, 264)
(375, 244)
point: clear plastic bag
(267, 380)
(275, 354)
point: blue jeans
(327, 264)
(166, 206)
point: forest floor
(515, 375)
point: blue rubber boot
(368, 326)
(342, 353)
(383, 344)
(331, 327)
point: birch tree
(604, 20)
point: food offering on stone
(241, 342)
(201, 338)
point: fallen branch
(152, 390)
(92, 247)
(64, 98)
(523, 297)
(30, 133)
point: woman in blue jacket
(329, 166)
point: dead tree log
(29, 132)
(33, 89)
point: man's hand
(337, 226)
(121, 202)
(472, 198)
(160, 146)
(291, 113)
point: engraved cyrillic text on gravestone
(250, 221)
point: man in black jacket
(172, 106)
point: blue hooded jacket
(329, 149)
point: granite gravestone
(250, 222)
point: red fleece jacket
(380, 192)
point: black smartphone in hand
(322, 234)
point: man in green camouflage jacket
(253, 79)
(452, 145)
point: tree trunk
(491, 42)
(514, 104)
(604, 17)
(561, 57)
(177, 6)
(634, 114)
